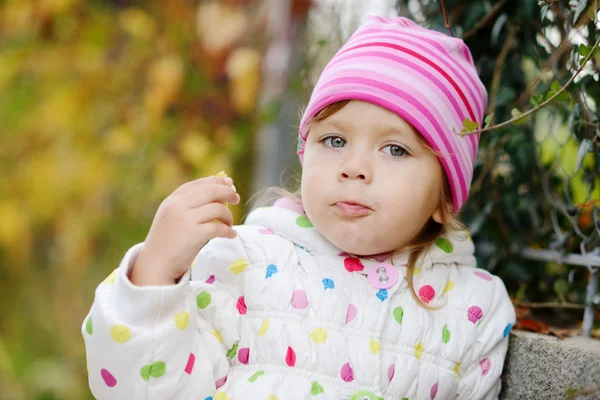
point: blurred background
(107, 106)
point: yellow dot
(182, 320)
(218, 336)
(417, 271)
(419, 350)
(221, 396)
(469, 238)
(120, 333)
(374, 346)
(264, 327)
(238, 266)
(449, 286)
(272, 397)
(457, 368)
(111, 278)
(319, 335)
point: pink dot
(426, 293)
(433, 391)
(241, 305)
(474, 314)
(266, 231)
(485, 365)
(210, 279)
(391, 372)
(299, 300)
(290, 357)
(347, 373)
(220, 382)
(483, 275)
(190, 364)
(289, 204)
(351, 314)
(244, 355)
(108, 378)
(353, 264)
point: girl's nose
(355, 168)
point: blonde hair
(424, 239)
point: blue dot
(382, 294)
(208, 398)
(271, 269)
(328, 283)
(507, 329)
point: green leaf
(488, 119)
(469, 126)
(584, 50)
(536, 100)
(515, 113)
(561, 286)
(555, 86)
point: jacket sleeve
(159, 342)
(482, 377)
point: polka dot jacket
(280, 313)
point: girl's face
(368, 185)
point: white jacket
(279, 313)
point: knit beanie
(424, 76)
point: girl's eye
(334, 141)
(395, 150)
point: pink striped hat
(424, 76)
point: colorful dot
(347, 373)
(299, 300)
(318, 335)
(456, 368)
(351, 313)
(289, 204)
(218, 336)
(182, 320)
(382, 294)
(398, 314)
(445, 334)
(417, 271)
(419, 348)
(444, 244)
(272, 397)
(231, 353)
(238, 266)
(271, 270)
(154, 370)
(266, 231)
(203, 300)
(391, 372)
(483, 275)
(241, 305)
(303, 222)
(220, 382)
(110, 279)
(210, 280)
(221, 396)
(88, 326)
(485, 365)
(244, 355)
(120, 333)
(507, 330)
(255, 376)
(328, 284)
(190, 364)
(264, 327)
(474, 314)
(374, 346)
(290, 357)
(353, 264)
(108, 378)
(316, 388)
(449, 286)
(426, 293)
(433, 391)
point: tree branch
(446, 22)
(486, 18)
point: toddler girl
(363, 286)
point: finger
(217, 230)
(209, 194)
(212, 212)
(206, 181)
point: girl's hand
(186, 220)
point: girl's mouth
(350, 209)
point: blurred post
(276, 139)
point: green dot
(444, 244)
(232, 351)
(398, 314)
(145, 372)
(255, 376)
(316, 388)
(445, 334)
(88, 326)
(203, 300)
(303, 222)
(158, 369)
